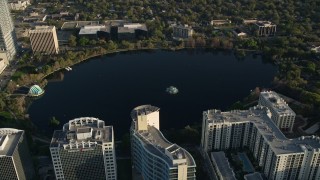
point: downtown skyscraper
(83, 150)
(8, 43)
(15, 159)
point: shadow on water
(109, 87)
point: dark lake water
(110, 87)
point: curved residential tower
(153, 156)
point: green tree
(73, 41)
(53, 122)
(111, 45)
(83, 41)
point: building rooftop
(125, 30)
(9, 139)
(277, 104)
(253, 176)
(264, 23)
(143, 110)
(260, 117)
(135, 26)
(78, 24)
(35, 90)
(93, 29)
(185, 26)
(82, 133)
(223, 165)
(42, 29)
(158, 145)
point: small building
(239, 33)
(130, 31)
(265, 28)
(250, 21)
(35, 90)
(182, 32)
(220, 22)
(19, 5)
(315, 49)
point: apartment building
(15, 160)
(44, 40)
(153, 156)
(8, 40)
(84, 149)
(281, 114)
(279, 157)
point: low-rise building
(181, 32)
(265, 28)
(239, 33)
(220, 22)
(250, 21)
(95, 31)
(115, 31)
(153, 156)
(19, 5)
(315, 49)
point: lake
(109, 87)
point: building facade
(84, 150)
(7, 34)
(182, 32)
(281, 114)
(280, 158)
(153, 156)
(15, 160)
(221, 166)
(44, 40)
(265, 28)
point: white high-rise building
(279, 157)
(8, 40)
(153, 156)
(84, 149)
(282, 115)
